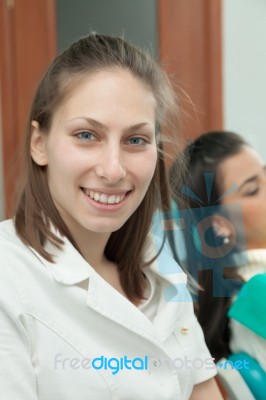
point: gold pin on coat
(184, 330)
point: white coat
(56, 338)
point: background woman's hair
(205, 155)
(36, 211)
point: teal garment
(254, 375)
(249, 308)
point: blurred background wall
(136, 20)
(1, 168)
(214, 49)
(244, 69)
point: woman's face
(100, 152)
(247, 171)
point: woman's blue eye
(137, 141)
(86, 135)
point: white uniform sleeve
(17, 379)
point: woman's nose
(111, 166)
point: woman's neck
(90, 244)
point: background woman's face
(247, 171)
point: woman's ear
(38, 145)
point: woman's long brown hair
(36, 211)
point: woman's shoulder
(9, 239)
(168, 274)
(7, 225)
(7, 234)
(162, 254)
(13, 252)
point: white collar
(255, 264)
(71, 268)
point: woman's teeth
(105, 198)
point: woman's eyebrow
(102, 126)
(248, 180)
(139, 126)
(251, 179)
(89, 120)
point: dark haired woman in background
(225, 193)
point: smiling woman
(101, 151)
(80, 275)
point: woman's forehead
(105, 92)
(239, 167)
